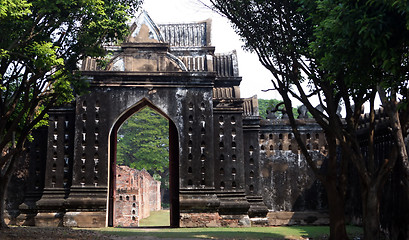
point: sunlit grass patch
(290, 232)
(156, 219)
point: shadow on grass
(292, 232)
(197, 234)
(322, 232)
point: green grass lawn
(161, 218)
(291, 232)
(156, 219)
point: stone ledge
(84, 219)
(190, 220)
(54, 219)
(235, 221)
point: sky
(255, 77)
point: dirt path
(61, 233)
(20, 233)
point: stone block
(235, 221)
(7, 218)
(49, 220)
(26, 219)
(259, 222)
(84, 219)
(21, 220)
(199, 220)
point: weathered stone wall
(279, 173)
(27, 184)
(224, 162)
(137, 194)
(228, 164)
(288, 182)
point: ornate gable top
(195, 34)
(144, 30)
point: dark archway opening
(173, 164)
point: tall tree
(367, 42)
(41, 44)
(282, 33)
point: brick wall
(137, 194)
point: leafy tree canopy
(41, 44)
(42, 41)
(365, 40)
(366, 43)
(143, 142)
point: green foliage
(143, 142)
(41, 44)
(265, 105)
(44, 56)
(14, 8)
(365, 41)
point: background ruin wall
(137, 194)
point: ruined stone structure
(288, 186)
(227, 166)
(136, 195)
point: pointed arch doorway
(173, 162)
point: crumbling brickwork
(137, 194)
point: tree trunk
(398, 134)
(370, 206)
(336, 212)
(3, 190)
(5, 177)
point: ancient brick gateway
(227, 167)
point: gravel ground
(20, 233)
